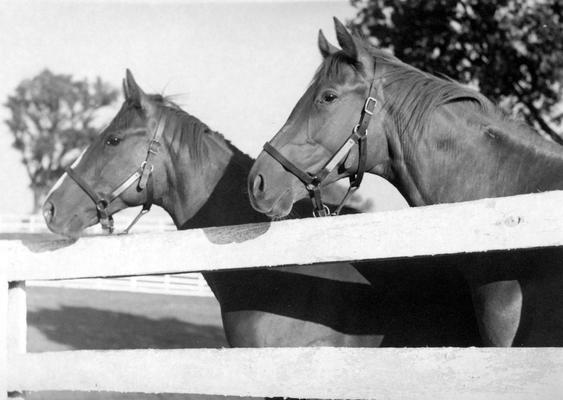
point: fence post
(17, 323)
(3, 337)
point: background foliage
(52, 118)
(511, 50)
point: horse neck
(213, 194)
(455, 160)
(228, 203)
(211, 191)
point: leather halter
(142, 174)
(313, 182)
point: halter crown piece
(142, 174)
(313, 182)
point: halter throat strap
(313, 182)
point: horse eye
(113, 141)
(329, 97)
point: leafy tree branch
(52, 118)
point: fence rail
(174, 285)
(448, 373)
(178, 285)
(529, 221)
(35, 223)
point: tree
(52, 117)
(511, 50)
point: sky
(238, 66)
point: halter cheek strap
(154, 146)
(142, 174)
(313, 182)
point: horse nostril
(48, 211)
(258, 183)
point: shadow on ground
(89, 328)
(61, 319)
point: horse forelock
(332, 67)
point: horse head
(344, 91)
(121, 168)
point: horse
(436, 141)
(199, 178)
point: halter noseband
(143, 174)
(313, 182)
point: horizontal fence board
(125, 285)
(445, 373)
(35, 223)
(192, 284)
(526, 221)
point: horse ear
(133, 90)
(125, 90)
(325, 47)
(345, 40)
(134, 93)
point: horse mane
(412, 95)
(190, 132)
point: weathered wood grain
(446, 373)
(526, 221)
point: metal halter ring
(326, 210)
(102, 205)
(144, 164)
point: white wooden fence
(35, 223)
(178, 285)
(529, 221)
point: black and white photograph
(281, 199)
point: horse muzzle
(70, 226)
(274, 200)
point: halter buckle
(369, 105)
(151, 149)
